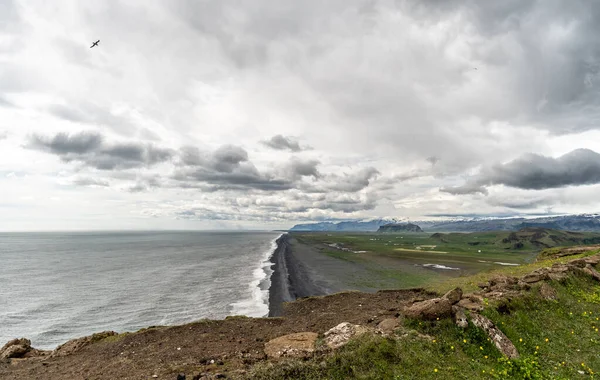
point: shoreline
(290, 279)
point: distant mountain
(586, 222)
(531, 238)
(581, 223)
(355, 226)
(399, 227)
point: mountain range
(584, 222)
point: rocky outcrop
(298, 345)
(339, 335)
(435, 308)
(75, 345)
(501, 341)
(16, 348)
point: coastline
(291, 279)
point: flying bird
(95, 44)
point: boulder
(388, 326)
(298, 345)
(502, 283)
(470, 304)
(548, 292)
(501, 341)
(340, 335)
(78, 344)
(430, 309)
(454, 295)
(534, 277)
(16, 348)
(460, 318)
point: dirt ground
(214, 349)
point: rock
(501, 341)
(533, 277)
(592, 260)
(558, 277)
(579, 263)
(460, 318)
(388, 326)
(297, 345)
(181, 376)
(470, 304)
(523, 285)
(78, 344)
(340, 335)
(589, 271)
(454, 295)
(548, 292)
(502, 283)
(430, 309)
(16, 348)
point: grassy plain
(404, 260)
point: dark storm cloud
(536, 172)
(91, 150)
(280, 142)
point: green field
(415, 259)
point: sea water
(59, 286)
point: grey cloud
(352, 182)
(280, 142)
(226, 168)
(536, 172)
(297, 168)
(91, 150)
(64, 144)
(3, 135)
(86, 181)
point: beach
(301, 270)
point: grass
(396, 260)
(469, 283)
(556, 340)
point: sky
(261, 114)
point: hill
(527, 239)
(399, 227)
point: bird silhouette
(95, 44)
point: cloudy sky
(261, 114)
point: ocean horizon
(55, 286)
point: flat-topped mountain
(399, 227)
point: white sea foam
(439, 266)
(257, 305)
(511, 264)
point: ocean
(59, 286)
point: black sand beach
(300, 270)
